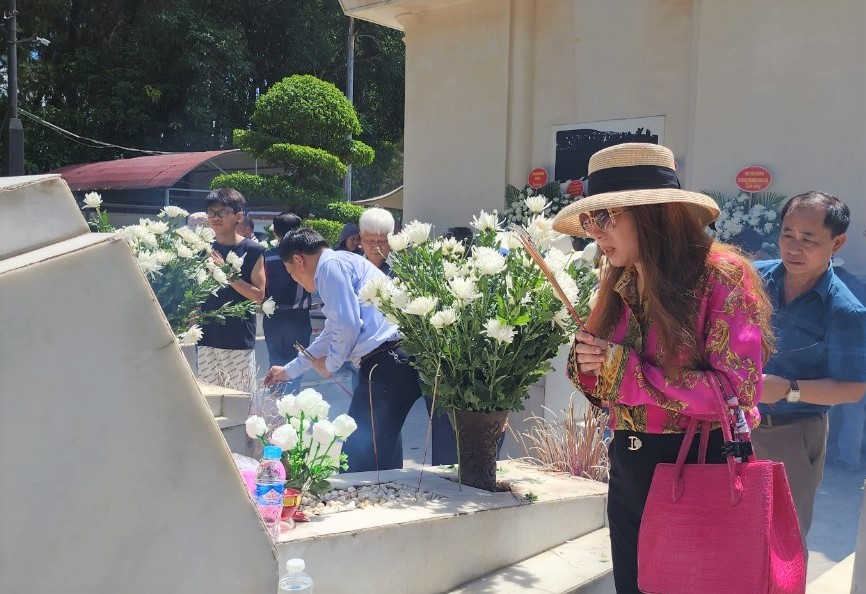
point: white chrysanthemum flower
(285, 437)
(452, 248)
(450, 269)
(269, 307)
(182, 250)
(463, 288)
(274, 242)
(557, 260)
(206, 234)
(498, 331)
(256, 427)
(393, 319)
(508, 240)
(156, 227)
(540, 228)
(344, 426)
(287, 406)
(562, 319)
(147, 262)
(191, 336)
(201, 275)
(417, 232)
(172, 212)
(219, 276)
(490, 263)
(235, 261)
(92, 200)
(485, 221)
(443, 318)
(568, 285)
(323, 432)
(421, 306)
(399, 298)
(163, 256)
(771, 215)
(536, 204)
(374, 291)
(398, 242)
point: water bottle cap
(272, 452)
(295, 565)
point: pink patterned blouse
(632, 382)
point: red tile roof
(157, 171)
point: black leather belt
(787, 419)
(382, 348)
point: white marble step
(581, 565)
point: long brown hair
(675, 252)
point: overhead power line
(83, 140)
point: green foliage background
(183, 75)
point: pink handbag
(716, 528)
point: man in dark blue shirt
(820, 357)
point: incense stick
(526, 242)
(303, 351)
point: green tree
(305, 126)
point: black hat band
(635, 177)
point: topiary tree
(305, 126)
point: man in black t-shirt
(226, 352)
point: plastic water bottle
(270, 484)
(295, 580)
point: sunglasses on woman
(602, 220)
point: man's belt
(382, 348)
(787, 419)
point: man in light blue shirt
(353, 332)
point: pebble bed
(364, 496)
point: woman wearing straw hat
(672, 303)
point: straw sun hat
(632, 174)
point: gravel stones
(363, 496)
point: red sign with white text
(537, 178)
(754, 179)
(574, 188)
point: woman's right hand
(589, 352)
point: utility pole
(350, 95)
(13, 131)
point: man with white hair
(375, 225)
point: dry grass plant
(566, 444)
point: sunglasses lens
(602, 220)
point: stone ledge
(469, 532)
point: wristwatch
(793, 393)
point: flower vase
(478, 446)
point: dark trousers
(633, 458)
(282, 330)
(394, 387)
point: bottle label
(270, 494)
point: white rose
(296, 423)
(92, 200)
(308, 401)
(235, 261)
(256, 427)
(398, 242)
(421, 306)
(344, 426)
(285, 437)
(536, 204)
(443, 318)
(269, 307)
(498, 331)
(321, 410)
(323, 432)
(485, 221)
(172, 212)
(191, 336)
(287, 406)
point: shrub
(330, 230)
(344, 212)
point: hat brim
(567, 220)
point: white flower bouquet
(480, 321)
(747, 220)
(522, 205)
(176, 261)
(306, 439)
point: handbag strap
(724, 413)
